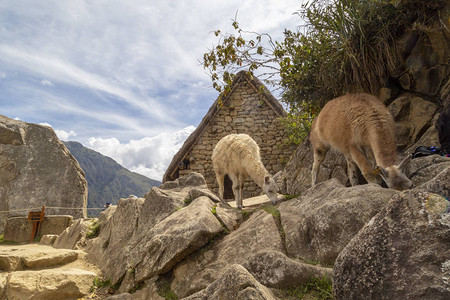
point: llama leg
(319, 156)
(241, 189)
(221, 181)
(236, 190)
(351, 170)
(364, 165)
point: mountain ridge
(108, 181)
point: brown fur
(361, 128)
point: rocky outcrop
(276, 270)
(424, 66)
(74, 236)
(16, 259)
(258, 233)
(403, 253)
(158, 232)
(319, 224)
(413, 116)
(49, 284)
(42, 272)
(36, 169)
(235, 283)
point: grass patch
(270, 209)
(94, 230)
(100, 283)
(315, 288)
(163, 287)
(290, 197)
(214, 212)
(315, 262)
(5, 242)
(187, 201)
(246, 214)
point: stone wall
(244, 112)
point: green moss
(315, 288)
(5, 242)
(163, 288)
(93, 230)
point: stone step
(256, 201)
(22, 257)
(58, 283)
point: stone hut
(248, 108)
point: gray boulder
(74, 236)
(235, 283)
(402, 253)
(319, 224)
(173, 239)
(258, 233)
(296, 176)
(171, 196)
(275, 270)
(36, 169)
(413, 116)
(423, 170)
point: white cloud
(46, 82)
(62, 134)
(149, 156)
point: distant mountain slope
(107, 180)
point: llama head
(270, 188)
(395, 177)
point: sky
(123, 78)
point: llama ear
(267, 180)
(383, 172)
(402, 166)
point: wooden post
(36, 217)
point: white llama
(238, 156)
(361, 128)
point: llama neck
(256, 171)
(384, 149)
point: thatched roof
(240, 78)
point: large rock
(36, 169)
(74, 236)
(413, 116)
(49, 284)
(173, 239)
(235, 283)
(403, 253)
(169, 197)
(423, 171)
(20, 258)
(296, 177)
(158, 249)
(274, 269)
(117, 227)
(258, 233)
(319, 224)
(424, 65)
